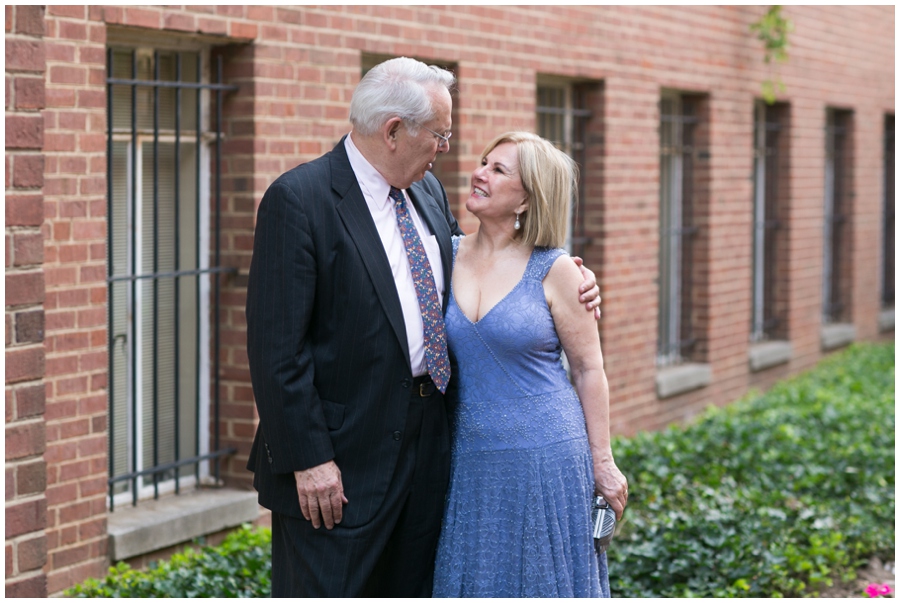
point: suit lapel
(354, 213)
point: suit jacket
(326, 341)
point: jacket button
(397, 436)
(406, 383)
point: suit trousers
(393, 554)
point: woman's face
(497, 191)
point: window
(767, 314)
(677, 228)
(162, 288)
(562, 118)
(838, 163)
(887, 278)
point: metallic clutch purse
(603, 520)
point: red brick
(28, 248)
(30, 326)
(179, 21)
(70, 556)
(25, 517)
(24, 440)
(24, 288)
(24, 131)
(243, 30)
(9, 24)
(29, 400)
(31, 478)
(214, 25)
(24, 210)
(74, 11)
(30, 93)
(33, 587)
(142, 17)
(63, 74)
(32, 553)
(72, 30)
(92, 446)
(24, 364)
(30, 20)
(28, 171)
(25, 55)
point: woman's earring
(517, 226)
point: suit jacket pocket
(334, 414)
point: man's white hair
(396, 88)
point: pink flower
(878, 590)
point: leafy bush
(240, 567)
(771, 496)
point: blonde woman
(528, 450)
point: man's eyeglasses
(442, 140)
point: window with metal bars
(887, 274)
(677, 227)
(162, 271)
(838, 163)
(767, 321)
(562, 118)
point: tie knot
(396, 195)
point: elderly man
(348, 357)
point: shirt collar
(372, 183)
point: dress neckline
(502, 299)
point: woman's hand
(611, 484)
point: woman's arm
(579, 338)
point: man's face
(416, 154)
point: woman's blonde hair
(549, 177)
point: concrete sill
(886, 320)
(171, 520)
(837, 335)
(675, 380)
(769, 353)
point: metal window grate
(157, 288)
(835, 303)
(677, 228)
(766, 226)
(562, 118)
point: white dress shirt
(375, 189)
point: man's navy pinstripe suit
(329, 362)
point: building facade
(735, 241)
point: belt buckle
(424, 390)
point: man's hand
(589, 291)
(321, 494)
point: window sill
(837, 335)
(886, 320)
(675, 380)
(769, 354)
(157, 524)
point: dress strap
(455, 239)
(541, 261)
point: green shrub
(771, 496)
(239, 567)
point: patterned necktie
(436, 359)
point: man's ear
(390, 130)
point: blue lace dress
(517, 517)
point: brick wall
(296, 68)
(75, 265)
(26, 473)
